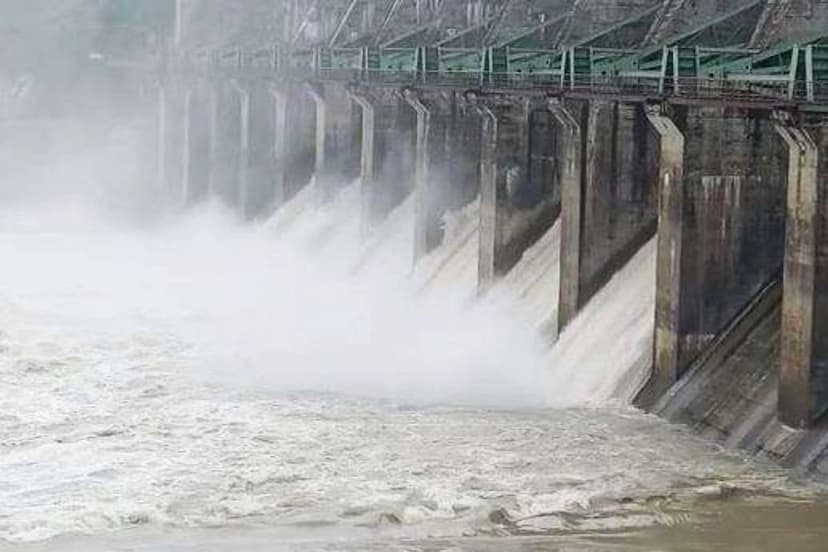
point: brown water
(123, 427)
(734, 525)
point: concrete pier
(337, 139)
(803, 373)
(608, 203)
(387, 153)
(447, 168)
(243, 162)
(427, 145)
(668, 271)
(263, 154)
(721, 226)
(229, 138)
(295, 140)
(174, 97)
(515, 208)
(570, 154)
(280, 144)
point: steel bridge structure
(540, 48)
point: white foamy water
(452, 266)
(606, 352)
(195, 372)
(388, 251)
(531, 288)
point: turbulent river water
(194, 383)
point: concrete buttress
(243, 168)
(668, 273)
(422, 167)
(803, 373)
(515, 208)
(387, 149)
(280, 141)
(337, 139)
(571, 163)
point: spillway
(452, 265)
(531, 288)
(606, 352)
(378, 275)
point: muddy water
(199, 387)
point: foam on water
(198, 372)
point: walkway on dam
(652, 51)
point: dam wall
(568, 154)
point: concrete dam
(689, 133)
(599, 227)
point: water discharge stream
(190, 382)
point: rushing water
(194, 383)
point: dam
(418, 274)
(684, 123)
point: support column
(803, 376)
(319, 161)
(386, 164)
(506, 228)
(490, 231)
(195, 154)
(421, 175)
(336, 139)
(570, 166)
(668, 262)
(243, 169)
(162, 136)
(366, 163)
(215, 128)
(187, 150)
(280, 156)
(182, 164)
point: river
(190, 382)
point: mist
(90, 246)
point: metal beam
(342, 22)
(599, 39)
(305, 21)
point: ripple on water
(198, 455)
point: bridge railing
(475, 69)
